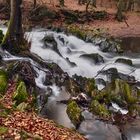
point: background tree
(120, 9)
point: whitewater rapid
(72, 48)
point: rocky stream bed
(86, 83)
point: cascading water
(72, 49)
(70, 56)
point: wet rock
(100, 81)
(128, 78)
(56, 75)
(112, 73)
(110, 45)
(124, 61)
(49, 79)
(63, 41)
(97, 130)
(25, 72)
(82, 99)
(74, 112)
(20, 95)
(3, 81)
(42, 99)
(51, 43)
(72, 64)
(132, 129)
(94, 57)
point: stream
(71, 56)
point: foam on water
(136, 137)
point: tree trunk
(34, 5)
(14, 32)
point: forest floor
(17, 124)
(114, 28)
(109, 24)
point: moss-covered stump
(75, 113)
(99, 109)
(3, 81)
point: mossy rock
(130, 99)
(3, 130)
(104, 97)
(124, 61)
(3, 81)
(77, 32)
(99, 109)
(1, 36)
(20, 95)
(74, 112)
(90, 86)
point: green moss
(90, 86)
(77, 32)
(3, 130)
(1, 36)
(103, 96)
(20, 95)
(130, 99)
(22, 106)
(74, 113)
(3, 81)
(99, 109)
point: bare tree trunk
(14, 32)
(34, 5)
